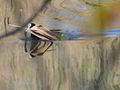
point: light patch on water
(60, 25)
(112, 33)
(79, 6)
(69, 15)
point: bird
(40, 33)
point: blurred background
(90, 64)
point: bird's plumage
(42, 32)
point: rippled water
(82, 65)
(73, 19)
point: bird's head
(30, 25)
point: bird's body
(38, 33)
(41, 32)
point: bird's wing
(42, 33)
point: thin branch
(26, 23)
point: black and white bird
(40, 33)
